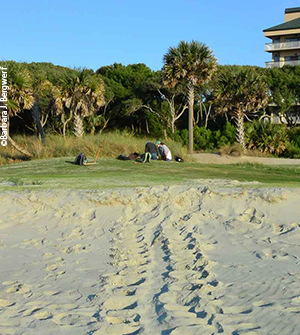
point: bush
(292, 151)
(232, 150)
(182, 136)
(294, 136)
(225, 137)
(205, 139)
(266, 137)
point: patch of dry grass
(111, 144)
(236, 150)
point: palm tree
(20, 96)
(240, 91)
(193, 64)
(79, 93)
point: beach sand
(204, 259)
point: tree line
(191, 89)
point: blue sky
(96, 33)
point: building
(285, 46)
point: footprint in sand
(78, 248)
(31, 311)
(65, 319)
(42, 315)
(6, 303)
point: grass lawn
(55, 173)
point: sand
(211, 158)
(204, 259)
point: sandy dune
(202, 259)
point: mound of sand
(173, 260)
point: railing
(281, 64)
(283, 45)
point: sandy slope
(206, 259)
(207, 158)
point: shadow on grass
(69, 162)
(16, 158)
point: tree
(176, 107)
(192, 63)
(80, 93)
(240, 91)
(128, 87)
(20, 96)
(284, 85)
(42, 91)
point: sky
(95, 33)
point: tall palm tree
(240, 91)
(20, 96)
(193, 64)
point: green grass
(56, 173)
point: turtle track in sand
(161, 282)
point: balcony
(282, 46)
(281, 64)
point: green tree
(42, 91)
(240, 91)
(80, 93)
(133, 96)
(192, 63)
(20, 96)
(284, 85)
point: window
(289, 58)
(291, 39)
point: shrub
(232, 150)
(203, 139)
(225, 137)
(267, 137)
(294, 136)
(182, 136)
(292, 151)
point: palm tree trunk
(191, 98)
(104, 126)
(35, 112)
(78, 126)
(16, 146)
(239, 120)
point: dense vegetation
(191, 90)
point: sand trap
(206, 259)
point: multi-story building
(285, 46)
